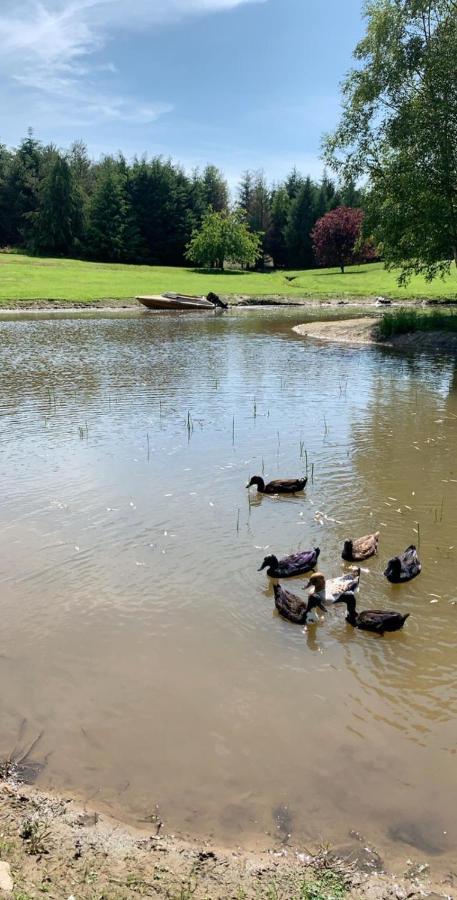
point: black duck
(296, 564)
(403, 567)
(280, 486)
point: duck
(361, 548)
(289, 566)
(280, 486)
(293, 608)
(378, 620)
(331, 590)
(404, 567)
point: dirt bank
(54, 846)
(232, 300)
(364, 331)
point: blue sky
(241, 83)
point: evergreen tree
(57, 225)
(21, 190)
(215, 190)
(108, 216)
(245, 191)
(299, 226)
(294, 183)
(5, 212)
(275, 241)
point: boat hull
(179, 301)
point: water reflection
(135, 622)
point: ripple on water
(132, 607)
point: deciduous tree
(336, 235)
(224, 236)
(399, 127)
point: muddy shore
(129, 303)
(56, 846)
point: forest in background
(62, 203)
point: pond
(138, 638)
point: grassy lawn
(32, 278)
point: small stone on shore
(6, 882)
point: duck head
(349, 599)
(393, 569)
(347, 550)
(268, 561)
(257, 480)
(316, 584)
(314, 602)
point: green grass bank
(25, 278)
(407, 321)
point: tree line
(62, 203)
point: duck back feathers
(361, 548)
(404, 567)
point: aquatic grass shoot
(405, 321)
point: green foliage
(63, 203)
(404, 321)
(399, 126)
(324, 886)
(36, 836)
(223, 236)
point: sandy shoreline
(363, 331)
(63, 847)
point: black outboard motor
(213, 298)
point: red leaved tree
(336, 237)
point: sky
(243, 84)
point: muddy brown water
(138, 636)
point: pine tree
(275, 242)
(215, 190)
(299, 226)
(57, 225)
(21, 189)
(294, 183)
(245, 191)
(108, 216)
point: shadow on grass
(237, 272)
(337, 272)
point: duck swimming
(378, 620)
(293, 608)
(280, 486)
(362, 548)
(403, 567)
(330, 591)
(296, 564)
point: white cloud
(49, 48)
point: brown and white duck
(328, 591)
(361, 548)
